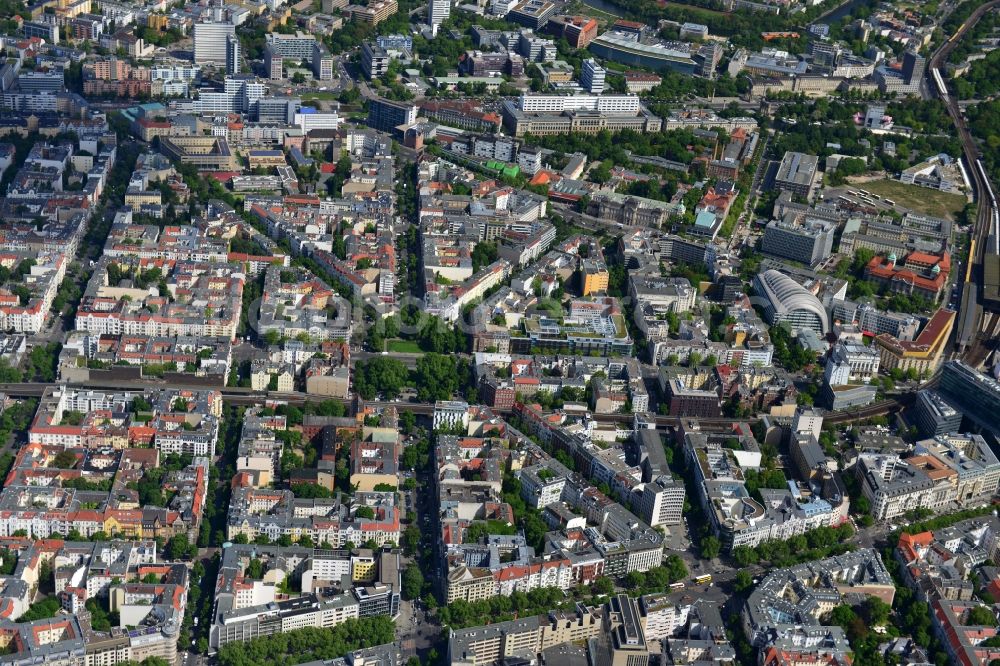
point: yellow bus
(703, 579)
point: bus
(703, 579)
(677, 586)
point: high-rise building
(807, 421)
(274, 64)
(322, 62)
(245, 90)
(232, 54)
(437, 12)
(809, 242)
(211, 42)
(934, 415)
(913, 67)
(374, 60)
(592, 77)
(385, 115)
(661, 501)
(298, 47)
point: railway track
(985, 342)
(972, 337)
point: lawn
(404, 347)
(921, 199)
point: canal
(838, 13)
(603, 6)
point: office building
(280, 110)
(807, 421)
(913, 67)
(851, 363)
(592, 77)
(626, 48)
(561, 114)
(976, 394)
(374, 60)
(934, 416)
(789, 302)
(210, 42)
(438, 12)
(660, 502)
(579, 31)
(232, 54)
(922, 355)
(40, 82)
(322, 63)
(693, 402)
(532, 13)
(694, 31)
(400, 43)
(245, 90)
(809, 242)
(904, 80)
(947, 470)
(373, 13)
(875, 321)
(298, 47)
(47, 31)
(385, 115)
(797, 173)
(274, 64)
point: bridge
(238, 396)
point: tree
(875, 612)
(411, 539)
(635, 580)
(710, 547)
(41, 610)
(179, 548)
(435, 377)
(675, 568)
(65, 459)
(413, 582)
(981, 616)
(744, 556)
(309, 644)
(310, 491)
(380, 375)
(744, 581)
(483, 255)
(603, 586)
(254, 570)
